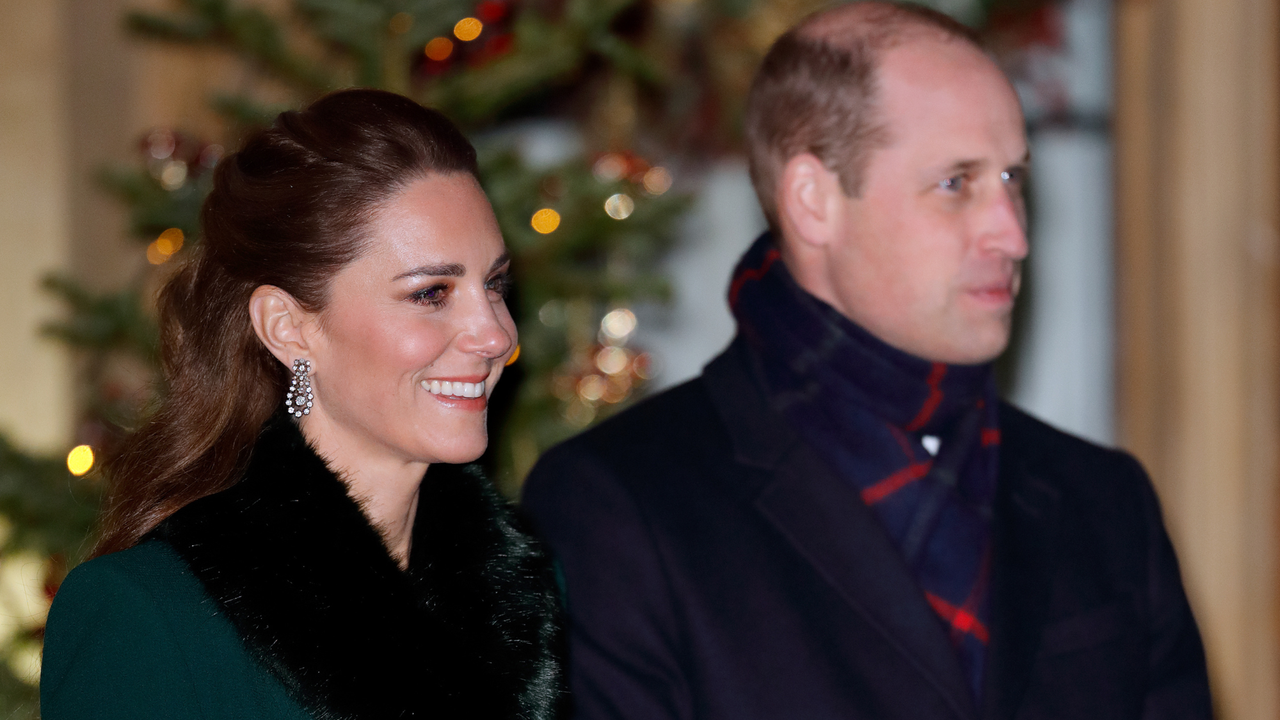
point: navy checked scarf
(866, 407)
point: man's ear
(280, 323)
(809, 198)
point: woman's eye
(434, 295)
(500, 284)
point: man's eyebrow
(965, 166)
(443, 270)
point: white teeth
(453, 389)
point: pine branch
(102, 323)
(247, 31)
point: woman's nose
(486, 333)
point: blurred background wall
(1151, 320)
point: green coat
(133, 636)
(277, 599)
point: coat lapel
(826, 521)
(1024, 535)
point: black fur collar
(470, 630)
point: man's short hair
(815, 91)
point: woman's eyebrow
(503, 259)
(444, 270)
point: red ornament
(491, 11)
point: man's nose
(1004, 228)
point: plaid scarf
(870, 410)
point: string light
(545, 220)
(468, 29)
(591, 388)
(618, 324)
(439, 49)
(164, 247)
(609, 167)
(657, 180)
(619, 206)
(170, 241)
(173, 175)
(80, 460)
(612, 360)
(401, 23)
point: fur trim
(470, 630)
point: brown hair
(289, 209)
(815, 91)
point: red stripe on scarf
(895, 482)
(930, 403)
(958, 618)
(770, 258)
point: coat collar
(470, 629)
(826, 521)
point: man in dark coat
(839, 518)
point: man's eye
(1013, 176)
(953, 184)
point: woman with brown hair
(289, 535)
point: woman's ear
(808, 201)
(280, 323)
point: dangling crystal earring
(298, 400)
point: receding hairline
(881, 24)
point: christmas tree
(644, 87)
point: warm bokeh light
(155, 255)
(80, 460)
(174, 175)
(620, 206)
(439, 49)
(612, 360)
(401, 23)
(163, 248)
(545, 220)
(468, 29)
(591, 388)
(618, 324)
(609, 167)
(657, 180)
(642, 366)
(514, 356)
(170, 241)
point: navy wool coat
(717, 569)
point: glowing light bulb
(80, 460)
(401, 23)
(620, 206)
(612, 360)
(439, 49)
(618, 324)
(170, 241)
(545, 220)
(657, 180)
(609, 168)
(468, 29)
(591, 388)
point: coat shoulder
(133, 634)
(660, 439)
(1031, 440)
